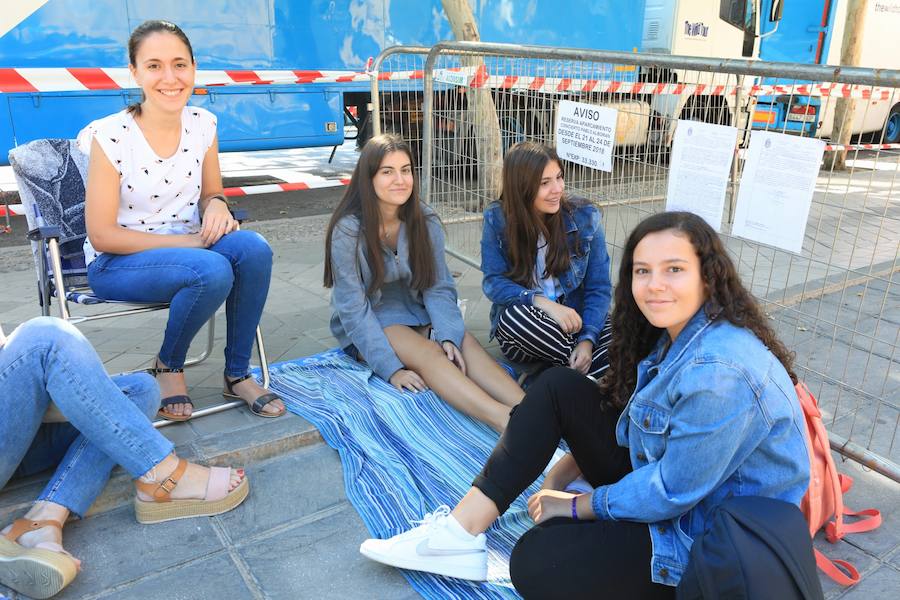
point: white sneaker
(438, 545)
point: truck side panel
(260, 117)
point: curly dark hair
(633, 335)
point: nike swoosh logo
(423, 549)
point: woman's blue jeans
(195, 282)
(48, 359)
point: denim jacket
(360, 318)
(586, 287)
(715, 416)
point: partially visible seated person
(395, 304)
(99, 422)
(698, 405)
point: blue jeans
(195, 282)
(48, 359)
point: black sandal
(180, 399)
(259, 404)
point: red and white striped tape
(565, 84)
(249, 190)
(14, 210)
(74, 79)
(79, 79)
(283, 187)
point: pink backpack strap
(837, 483)
(836, 574)
(835, 530)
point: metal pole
(428, 131)
(781, 70)
(375, 98)
(864, 457)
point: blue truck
(63, 62)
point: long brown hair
(142, 32)
(523, 169)
(633, 335)
(361, 201)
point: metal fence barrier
(836, 304)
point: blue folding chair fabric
(51, 175)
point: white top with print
(156, 194)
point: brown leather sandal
(216, 501)
(38, 572)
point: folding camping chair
(51, 174)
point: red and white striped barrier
(73, 79)
(14, 210)
(831, 147)
(480, 78)
(283, 187)
(249, 190)
(79, 79)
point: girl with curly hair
(698, 405)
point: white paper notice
(586, 134)
(777, 189)
(698, 174)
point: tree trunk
(480, 103)
(845, 108)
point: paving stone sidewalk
(297, 536)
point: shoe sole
(160, 512)
(427, 566)
(34, 572)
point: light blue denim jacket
(586, 286)
(716, 416)
(360, 318)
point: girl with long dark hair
(545, 265)
(698, 405)
(395, 304)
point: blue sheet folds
(403, 455)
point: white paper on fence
(698, 173)
(586, 134)
(452, 77)
(777, 188)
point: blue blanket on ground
(403, 455)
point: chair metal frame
(51, 271)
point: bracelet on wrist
(217, 197)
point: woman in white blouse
(159, 229)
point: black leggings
(564, 558)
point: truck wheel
(892, 126)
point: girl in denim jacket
(698, 405)
(543, 255)
(395, 305)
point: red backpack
(824, 498)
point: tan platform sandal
(39, 572)
(217, 500)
